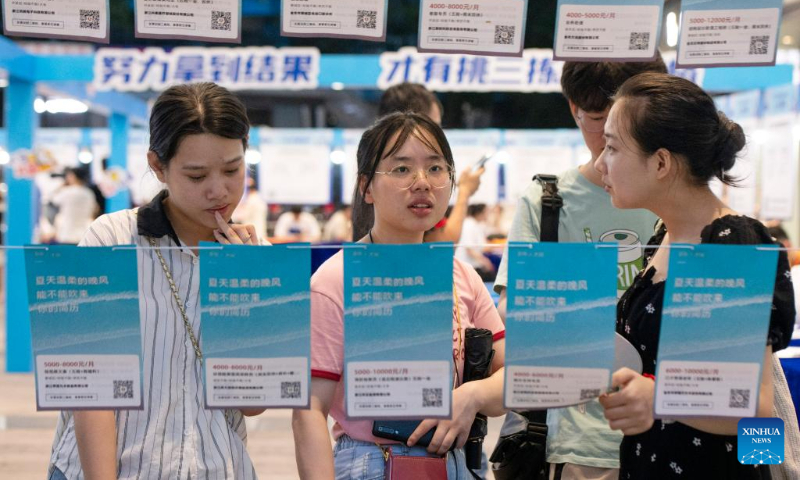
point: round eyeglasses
(403, 177)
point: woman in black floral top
(665, 141)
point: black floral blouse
(672, 449)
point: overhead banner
(209, 20)
(728, 33)
(85, 20)
(483, 27)
(607, 30)
(357, 19)
(253, 68)
(535, 71)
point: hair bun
(730, 141)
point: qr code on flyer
(123, 389)
(431, 397)
(220, 20)
(504, 34)
(367, 19)
(290, 389)
(759, 44)
(90, 20)
(739, 398)
(639, 41)
(589, 393)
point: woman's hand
(455, 431)
(631, 408)
(233, 234)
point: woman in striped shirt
(198, 136)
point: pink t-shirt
(327, 331)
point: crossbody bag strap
(551, 207)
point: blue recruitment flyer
(85, 327)
(398, 330)
(714, 330)
(607, 30)
(727, 33)
(560, 322)
(256, 318)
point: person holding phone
(198, 136)
(405, 179)
(665, 140)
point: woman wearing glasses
(405, 179)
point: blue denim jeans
(56, 474)
(359, 460)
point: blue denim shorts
(56, 474)
(359, 460)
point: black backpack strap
(551, 207)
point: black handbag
(521, 455)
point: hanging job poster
(714, 330)
(607, 30)
(743, 108)
(724, 33)
(560, 323)
(779, 162)
(479, 27)
(358, 19)
(468, 148)
(398, 330)
(85, 327)
(85, 20)
(290, 154)
(256, 317)
(209, 20)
